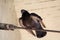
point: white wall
(8, 15)
(49, 10)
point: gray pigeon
(32, 21)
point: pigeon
(32, 21)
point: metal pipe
(3, 26)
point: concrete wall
(49, 10)
(8, 15)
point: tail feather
(40, 34)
